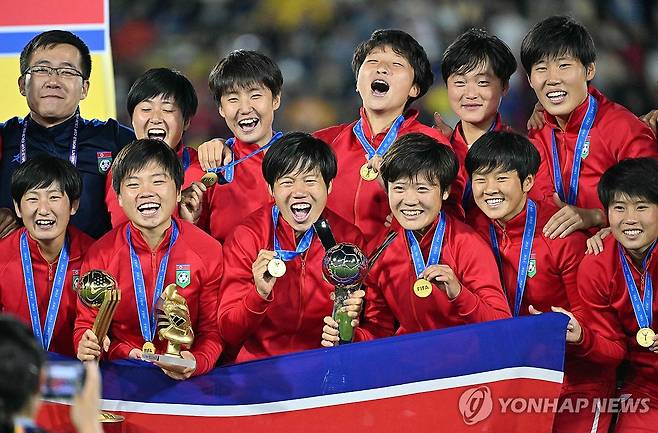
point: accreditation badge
(585, 152)
(183, 276)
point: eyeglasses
(46, 71)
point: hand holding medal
(263, 278)
(441, 274)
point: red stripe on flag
(60, 12)
(423, 412)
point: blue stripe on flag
(529, 341)
(13, 42)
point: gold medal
(367, 173)
(148, 347)
(209, 179)
(422, 288)
(645, 336)
(276, 268)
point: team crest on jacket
(104, 161)
(532, 266)
(75, 279)
(183, 276)
(585, 152)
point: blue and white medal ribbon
(389, 138)
(228, 170)
(185, 160)
(277, 266)
(422, 287)
(46, 335)
(643, 308)
(73, 156)
(147, 322)
(585, 127)
(524, 258)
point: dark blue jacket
(95, 140)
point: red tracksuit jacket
(390, 297)
(291, 318)
(615, 135)
(193, 173)
(460, 146)
(13, 298)
(194, 248)
(226, 206)
(365, 203)
(553, 282)
(609, 322)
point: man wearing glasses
(55, 69)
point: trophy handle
(105, 314)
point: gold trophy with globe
(98, 290)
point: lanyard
(643, 308)
(73, 156)
(302, 246)
(388, 140)
(435, 249)
(146, 321)
(46, 335)
(185, 158)
(229, 169)
(524, 258)
(585, 126)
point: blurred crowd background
(313, 40)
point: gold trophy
(175, 326)
(98, 289)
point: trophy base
(108, 417)
(169, 359)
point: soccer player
(617, 287)
(147, 253)
(161, 104)
(41, 261)
(538, 273)
(392, 71)
(55, 69)
(437, 272)
(585, 133)
(476, 69)
(274, 297)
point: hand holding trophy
(174, 326)
(345, 266)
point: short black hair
(242, 69)
(633, 177)
(165, 82)
(474, 48)
(21, 361)
(43, 170)
(554, 37)
(403, 44)
(138, 154)
(299, 152)
(56, 37)
(414, 155)
(503, 150)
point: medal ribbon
(73, 156)
(46, 335)
(468, 188)
(147, 322)
(388, 140)
(643, 308)
(524, 258)
(229, 169)
(435, 249)
(585, 126)
(185, 158)
(302, 246)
